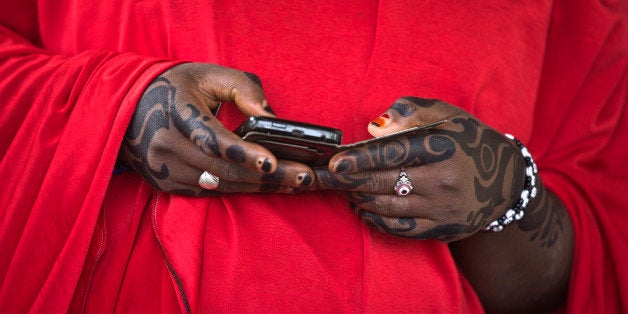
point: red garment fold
(60, 140)
(73, 238)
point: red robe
(73, 237)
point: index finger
(404, 150)
(213, 139)
(242, 88)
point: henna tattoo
(271, 182)
(489, 152)
(407, 106)
(407, 224)
(155, 112)
(546, 221)
(404, 109)
(360, 198)
(253, 77)
(401, 151)
(150, 116)
(236, 153)
(194, 128)
(345, 182)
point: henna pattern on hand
(546, 221)
(271, 181)
(493, 158)
(155, 112)
(194, 128)
(150, 116)
(406, 106)
(490, 153)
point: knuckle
(450, 180)
(374, 182)
(381, 206)
(231, 171)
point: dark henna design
(343, 166)
(236, 153)
(360, 198)
(253, 77)
(150, 116)
(272, 181)
(408, 224)
(401, 151)
(155, 112)
(407, 106)
(194, 128)
(344, 182)
(404, 109)
(490, 153)
(547, 221)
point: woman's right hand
(173, 136)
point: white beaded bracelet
(529, 192)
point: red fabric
(74, 238)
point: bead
(516, 212)
(403, 189)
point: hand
(464, 174)
(173, 136)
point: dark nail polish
(266, 166)
(307, 180)
(269, 110)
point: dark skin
(465, 175)
(173, 136)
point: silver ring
(208, 181)
(403, 185)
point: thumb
(408, 112)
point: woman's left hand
(463, 173)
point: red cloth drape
(75, 238)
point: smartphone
(311, 144)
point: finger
(381, 182)
(214, 140)
(409, 112)
(287, 173)
(242, 187)
(227, 187)
(422, 148)
(409, 227)
(393, 205)
(242, 88)
(187, 181)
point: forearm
(526, 267)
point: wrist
(529, 191)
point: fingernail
(304, 179)
(381, 121)
(267, 108)
(342, 166)
(265, 164)
(253, 77)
